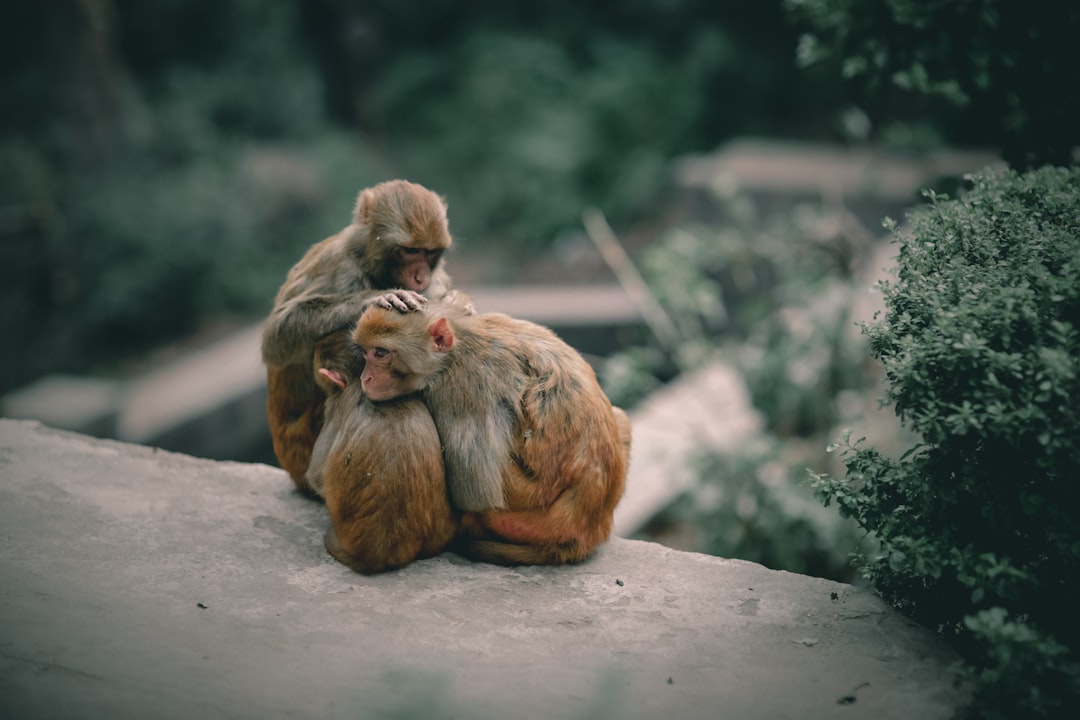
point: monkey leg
(375, 527)
(566, 532)
(294, 412)
(361, 562)
(504, 553)
(566, 528)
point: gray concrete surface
(140, 583)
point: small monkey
(536, 456)
(380, 469)
(390, 255)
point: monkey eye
(380, 353)
(432, 256)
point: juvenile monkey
(395, 243)
(535, 453)
(380, 469)
(337, 362)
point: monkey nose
(419, 282)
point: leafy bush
(978, 525)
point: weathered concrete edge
(138, 578)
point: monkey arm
(475, 452)
(294, 326)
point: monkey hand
(456, 297)
(400, 300)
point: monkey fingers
(456, 297)
(400, 300)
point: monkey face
(415, 266)
(384, 379)
(401, 350)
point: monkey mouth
(375, 395)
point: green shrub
(978, 525)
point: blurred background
(163, 164)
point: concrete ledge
(142, 583)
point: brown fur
(535, 453)
(380, 469)
(294, 412)
(328, 289)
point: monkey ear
(363, 205)
(333, 377)
(442, 336)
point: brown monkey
(535, 453)
(380, 469)
(396, 242)
(337, 362)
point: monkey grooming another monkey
(380, 468)
(390, 255)
(536, 456)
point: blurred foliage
(526, 117)
(160, 165)
(1004, 70)
(165, 163)
(755, 504)
(772, 296)
(978, 523)
(771, 293)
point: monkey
(336, 362)
(379, 468)
(390, 255)
(536, 456)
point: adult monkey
(395, 243)
(535, 454)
